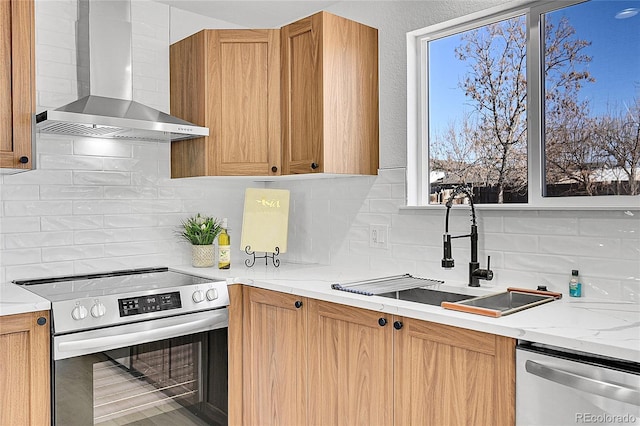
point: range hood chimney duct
(105, 84)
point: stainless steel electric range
(141, 345)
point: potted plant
(201, 232)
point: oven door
(167, 371)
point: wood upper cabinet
(350, 365)
(329, 96)
(228, 81)
(274, 370)
(452, 376)
(302, 99)
(24, 369)
(17, 83)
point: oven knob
(98, 310)
(198, 296)
(79, 312)
(212, 294)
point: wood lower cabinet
(452, 376)
(228, 81)
(25, 369)
(274, 367)
(17, 83)
(318, 363)
(329, 96)
(350, 366)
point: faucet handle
(489, 273)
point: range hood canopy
(105, 84)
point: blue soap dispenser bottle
(575, 287)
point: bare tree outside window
(478, 129)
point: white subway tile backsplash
(92, 207)
(72, 253)
(60, 85)
(53, 223)
(70, 162)
(101, 178)
(64, 192)
(55, 54)
(533, 262)
(613, 227)
(21, 256)
(530, 223)
(38, 239)
(62, 177)
(521, 243)
(38, 270)
(135, 248)
(55, 145)
(155, 206)
(132, 221)
(19, 224)
(102, 148)
(19, 192)
(131, 192)
(102, 236)
(37, 208)
(601, 247)
(47, 99)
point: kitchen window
(536, 105)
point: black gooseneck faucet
(475, 272)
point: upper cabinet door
(302, 123)
(246, 93)
(229, 81)
(330, 96)
(17, 94)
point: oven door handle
(614, 391)
(101, 343)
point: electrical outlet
(379, 236)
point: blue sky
(615, 51)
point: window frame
(417, 172)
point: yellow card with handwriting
(266, 220)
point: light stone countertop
(603, 327)
(16, 300)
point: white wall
(112, 205)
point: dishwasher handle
(615, 391)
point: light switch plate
(379, 236)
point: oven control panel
(149, 303)
(108, 310)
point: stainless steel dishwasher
(559, 387)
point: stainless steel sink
(503, 303)
(412, 289)
(427, 296)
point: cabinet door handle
(24, 159)
(274, 169)
(298, 304)
(397, 325)
(314, 166)
(41, 321)
(382, 322)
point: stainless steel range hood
(105, 84)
